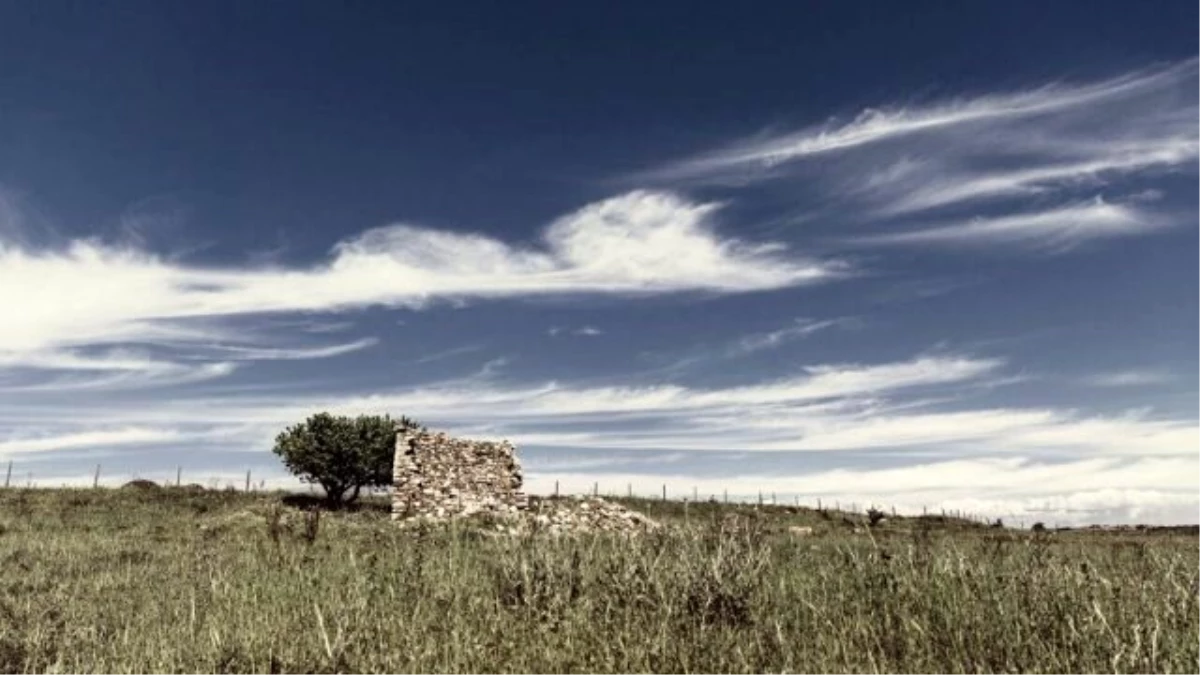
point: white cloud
(1009, 169)
(293, 353)
(978, 458)
(183, 362)
(637, 243)
(827, 408)
(1018, 489)
(794, 428)
(751, 343)
(16, 445)
(105, 372)
(771, 339)
(582, 331)
(1128, 378)
(1058, 229)
(875, 126)
(480, 399)
(449, 353)
(114, 359)
(1040, 178)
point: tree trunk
(334, 494)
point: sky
(918, 255)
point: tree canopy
(341, 454)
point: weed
(312, 525)
(274, 518)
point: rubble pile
(572, 515)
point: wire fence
(99, 479)
(763, 498)
(666, 493)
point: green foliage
(341, 454)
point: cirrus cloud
(636, 244)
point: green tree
(341, 454)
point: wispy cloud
(175, 362)
(913, 410)
(1057, 229)
(16, 445)
(876, 126)
(327, 326)
(115, 369)
(480, 399)
(749, 344)
(582, 331)
(1128, 378)
(1043, 176)
(1044, 168)
(293, 353)
(799, 328)
(449, 353)
(636, 244)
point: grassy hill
(158, 579)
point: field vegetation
(157, 579)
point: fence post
(596, 489)
(629, 490)
(555, 488)
(247, 480)
(760, 498)
(178, 475)
(96, 478)
(695, 493)
(8, 476)
(726, 495)
(772, 499)
(664, 492)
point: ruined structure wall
(436, 475)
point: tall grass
(167, 581)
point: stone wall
(438, 476)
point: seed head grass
(178, 580)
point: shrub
(341, 454)
(875, 516)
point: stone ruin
(438, 477)
(572, 515)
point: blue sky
(916, 254)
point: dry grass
(175, 581)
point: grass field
(177, 581)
